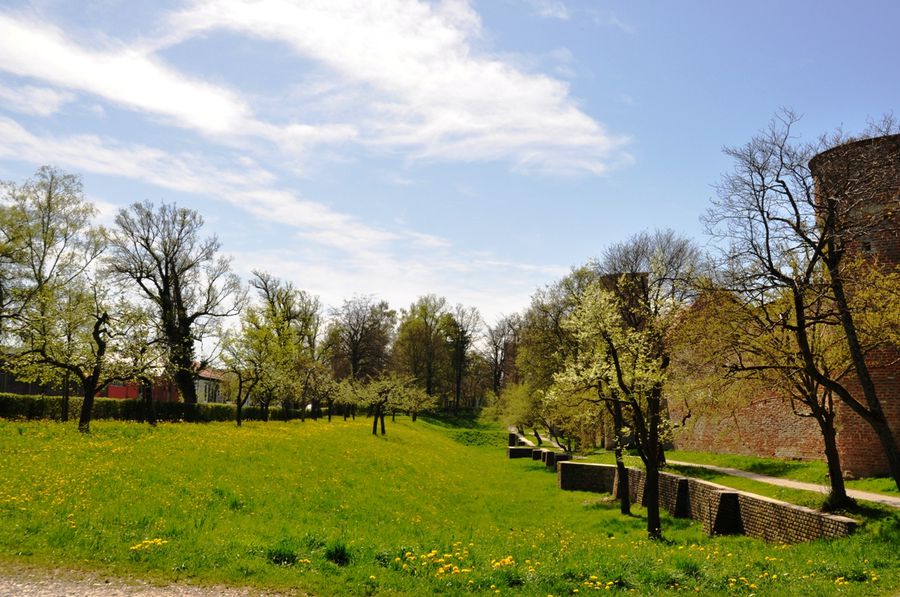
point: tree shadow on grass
(870, 512)
(457, 421)
(693, 471)
(773, 469)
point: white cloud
(334, 254)
(38, 101)
(119, 74)
(248, 187)
(397, 75)
(398, 180)
(428, 90)
(132, 77)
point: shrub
(282, 554)
(20, 406)
(338, 553)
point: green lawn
(330, 509)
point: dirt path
(34, 582)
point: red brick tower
(865, 175)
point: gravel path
(33, 582)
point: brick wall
(720, 509)
(765, 427)
(860, 451)
(584, 476)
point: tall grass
(330, 509)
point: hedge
(19, 406)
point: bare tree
(501, 341)
(296, 308)
(359, 338)
(461, 327)
(180, 273)
(784, 234)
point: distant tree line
(83, 306)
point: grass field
(330, 509)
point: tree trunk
(624, 492)
(87, 408)
(184, 380)
(147, 399)
(537, 436)
(375, 422)
(838, 497)
(651, 486)
(382, 422)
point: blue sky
(473, 149)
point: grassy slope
(265, 505)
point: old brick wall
(720, 509)
(765, 427)
(585, 476)
(859, 449)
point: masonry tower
(864, 176)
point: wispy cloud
(133, 78)
(429, 91)
(243, 184)
(119, 74)
(399, 75)
(28, 99)
(610, 19)
(549, 9)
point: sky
(476, 149)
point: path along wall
(721, 510)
